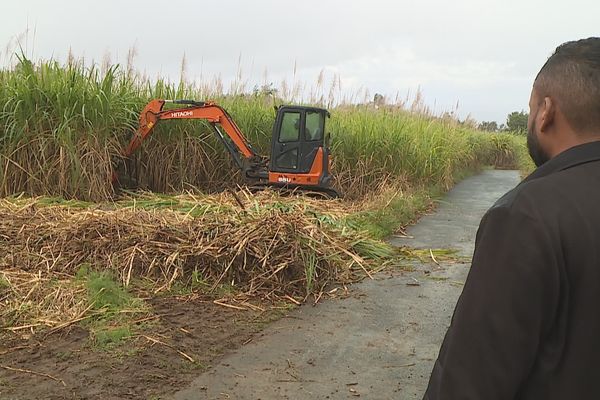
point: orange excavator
(299, 150)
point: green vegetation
(108, 301)
(107, 337)
(400, 209)
(4, 284)
(383, 146)
(61, 125)
(103, 292)
(517, 122)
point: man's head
(564, 109)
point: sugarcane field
(244, 223)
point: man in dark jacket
(527, 325)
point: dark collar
(572, 157)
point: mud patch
(163, 355)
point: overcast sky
(482, 54)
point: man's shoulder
(518, 208)
(556, 187)
(523, 192)
(546, 194)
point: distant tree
(490, 126)
(517, 122)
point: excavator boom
(209, 111)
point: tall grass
(389, 143)
(62, 125)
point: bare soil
(68, 365)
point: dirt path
(381, 342)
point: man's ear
(547, 114)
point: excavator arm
(251, 164)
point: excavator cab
(299, 153)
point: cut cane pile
(263, 245)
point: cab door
(297, 136)
(286, 142)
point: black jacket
(527, 324)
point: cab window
(314, 126)
(290, 127)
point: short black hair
(571, 76)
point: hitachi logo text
(180, 114)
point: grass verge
(389, 213)
(111, 305)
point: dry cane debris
(274, 247)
